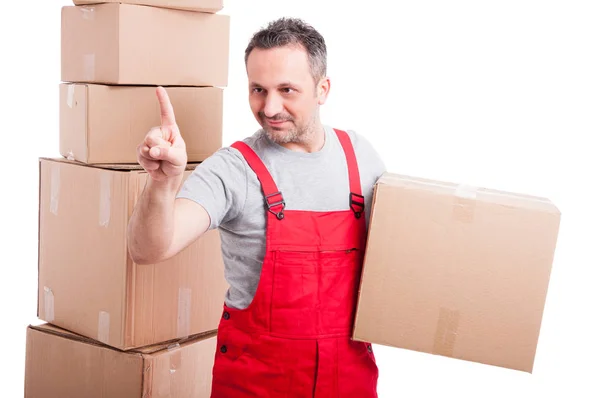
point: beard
(285, 135)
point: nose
(273, 105)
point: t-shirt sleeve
(369, 160)
(219, 184)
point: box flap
(147, 350)
(170, 345)
(49, 328)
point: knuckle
(153, 132)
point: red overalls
(293, 340)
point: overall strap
(273, 197)
(357, 200)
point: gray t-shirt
(230, 192)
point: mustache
(278, 117)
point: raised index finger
(167, 116)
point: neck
(312, 141)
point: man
(292, 204)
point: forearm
(152, 224)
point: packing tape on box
(103, 326)
(48, 304)
(465, 197)
(174, 358)
(147, 377)
(70, 95)
(105, 194)
(466, 191)
(446, 332)
(88, 13)
(184, 311)
(89, 67)
(54, 187)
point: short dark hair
(293, 31)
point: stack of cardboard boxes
(115, 328)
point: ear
(323, 88)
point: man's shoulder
(255, 141)
(359, 141)
(366, 153)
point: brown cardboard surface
(105, 124)
(210, 6)
(89, 285)
(62, 364)
(456, 271)
(126, 44)
(183, 370)
(60, 367)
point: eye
(287, 90)
(257, 90)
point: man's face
(283, 95)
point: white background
(500, 94)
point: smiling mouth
(276, 122)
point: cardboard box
(456, 271)
(210, 6)
(63, 364)
(128, 44)
(88, 283)
(105, 124)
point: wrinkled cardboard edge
(164, 346)
(147, 350)
(207, 10)
(124, 167)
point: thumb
(167, 115)
(174, 155)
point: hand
(163, 153)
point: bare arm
(161, 225)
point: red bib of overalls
(293, 340)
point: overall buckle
(281, 202)
(358, 206)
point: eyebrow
(284, 84)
